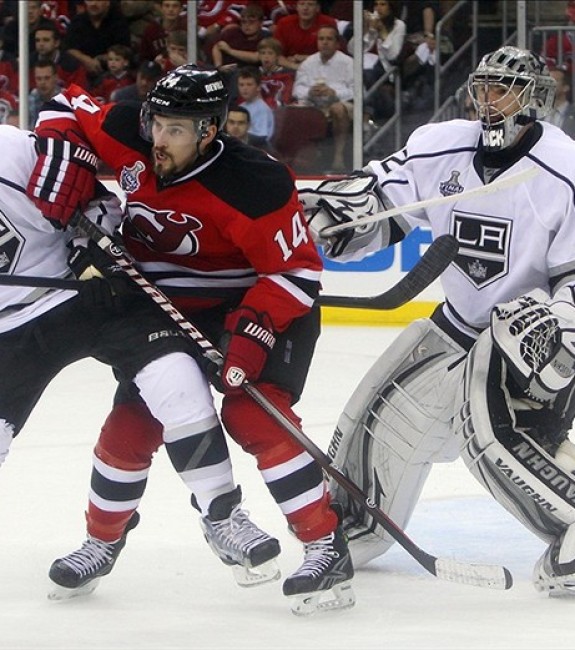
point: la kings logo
(483, 247)
(11, 244)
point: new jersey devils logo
(165, 231)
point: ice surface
(168, 591)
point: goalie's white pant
(397, 423)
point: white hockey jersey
(511, 241)
(29, 244)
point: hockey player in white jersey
(44, 330)
(490, 374)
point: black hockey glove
(106, 286)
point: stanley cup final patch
(452, 185)
(483, 246)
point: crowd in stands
(277, 56)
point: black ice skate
(323, 581)
(79, 573)
(240, 543)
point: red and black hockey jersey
(230, 227)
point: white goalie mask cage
(514, 76)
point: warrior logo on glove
(249, 341)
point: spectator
(148, 73)
(276, 9)
(91, 33)
(35, 20)
(298, 32)
(155, 38)
(46, 86)
(325, 80)
(563, 113)
(140, 14)
(213, 17)
(551, 50)
(8, 68)
(238, 44)
(420, 52)
(176, 51)
(238, 125)
(119, 75)
(383, 39)
(47, 44)
(277, 81)
(261, 115)
(383, 36)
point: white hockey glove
(537, 341)
(343, 201)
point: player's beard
(164, 168)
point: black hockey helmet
(187, 91)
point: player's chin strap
(494, 577)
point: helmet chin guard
(510, 88)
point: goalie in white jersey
(490, 374)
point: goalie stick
(482, 190)
(494, 577)
(435, 260)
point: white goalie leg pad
(6, 437)
(394, 426)
(526, 480)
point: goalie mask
(510, 88)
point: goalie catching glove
(62, 180)
(246, 344)
(537, 340)
(345, 201)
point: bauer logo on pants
(483, 246)
(11, 243)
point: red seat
(298, 131)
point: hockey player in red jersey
(216, 225)
(45, 330)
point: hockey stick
(435, 260)
(37, 281)
(494, 577)
(483, 190)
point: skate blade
(338, 597)
(555, 587)
(59, 593)
(254, 576)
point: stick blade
(477, 575)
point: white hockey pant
(395, 425)
(178, 395)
